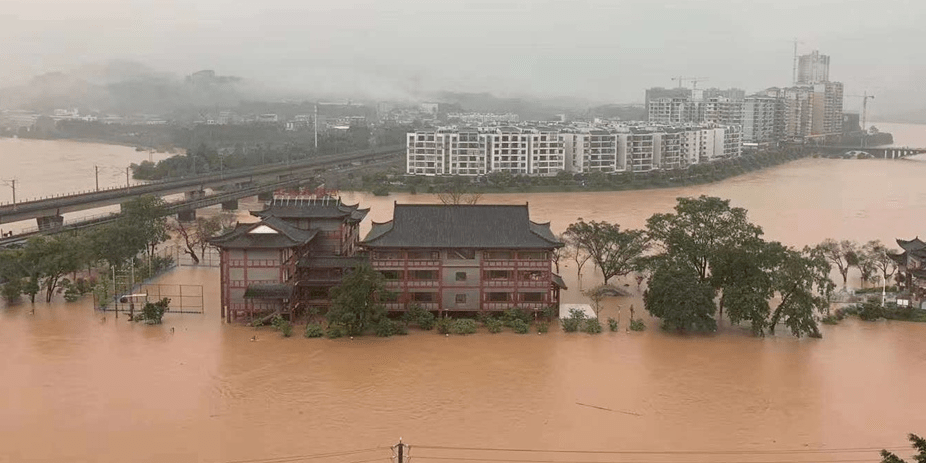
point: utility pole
(126, 177)
(316, 127)
(399, 450)
(96, 172)
(12, 183)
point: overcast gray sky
(607, 50)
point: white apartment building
(759, 124)
(723, 111)
(594, 151)
(446, 152)
(547, 151)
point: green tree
(56, 256)
(614, 251)
(354, 303)
(699, 230)
(147, 216)
(804, 287)
(676, 295)
(843, 254)
(917, 442)
(880, 257)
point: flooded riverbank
(83, 388)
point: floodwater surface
(80, 386)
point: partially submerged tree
(710, 249)
(681, 300)
(843, 254)
(880, 257)
(614, 251)
(354, 303)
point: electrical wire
(670, 452)
(309, 457)
(430, 457)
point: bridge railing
(156, 185)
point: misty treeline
(706, 259)
(128, 244)
(227, 148)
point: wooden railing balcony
(511, 305)
(422, 283)
(253, 263)
(245, 283)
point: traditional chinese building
(465, 258)
(911, 268)
(287, 262)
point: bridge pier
(50, 222)
(265, 196)
(187, 216)
(231, 205)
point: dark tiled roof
(324, 208)
(269, 291)
(331, 262)
(461, 226)
(558, 281)
(288, 236)
(913, 245)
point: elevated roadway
(48, 211)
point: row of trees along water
(217, 148)
(127, 244)
(382, 182)
(706, 259)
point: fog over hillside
(597, 50)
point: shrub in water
(549, 312)
(463, 326)
(543, 327)
(443, 325)
(314, 330)
(515, 314)
(829, 320)
(494, 325)
(520, 326)
(637, 325)
(154, 312)
(283, 326)
(385, 328)
(417, 315)
(574, 321)
(335, 331)
(592, 326)
(612, 324)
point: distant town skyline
(602, 51)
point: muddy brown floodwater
(78, 387)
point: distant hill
(123, 87)
(527, 109)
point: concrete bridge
(48, 211)
(186, 209)
(879, 152)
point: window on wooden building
(498, 274)
(423, 274)
(392, 275)
(498, 297)
(533, 255)
(532, 275)
(423, 255)
(461, 276)
(461, 254)
(499, 255)
(531, 297)
(387, 255)
(460, 299)
(424, 297)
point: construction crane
(694, 81)
(865, 97)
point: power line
(430, 457)
(671, 452)
(309, 457)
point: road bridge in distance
(878, 152)
(48, 212)
(186, 209)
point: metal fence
(183, 298)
